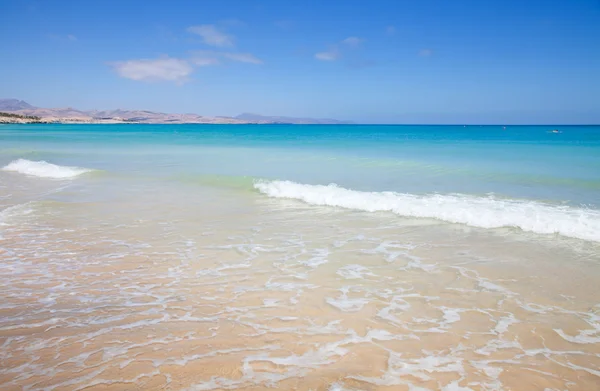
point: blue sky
(368, 61)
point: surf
(482, 212)
(43, 169)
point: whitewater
(477, 211)
(340, 257)
(483, 212)
(43, 169)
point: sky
(377, 61)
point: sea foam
(44, 169)
(483, 212)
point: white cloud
(242, 57)
(162, 69)
(390, 30)
(178, 70)
(211, 35)
(330, 55)
(353, 41)
(71, 37)
(425, 52)
(204, 58)
(212, 57)
(205, 61)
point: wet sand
(266, 295)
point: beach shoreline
(321, 257)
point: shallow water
(188, 263)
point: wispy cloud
(178, 70)
(204, 58)
(71, 37)
(242, 57)
(353, 41)
(390, 30)
(425, 52)
(161, 69)
(330, 55)
(211, 57)
(203, 61)
(212, 36)
(335, 52)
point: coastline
(15, 111)
(64, 121)
(222, 257)
(214, 121)
(121, 121)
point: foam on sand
(483, 212)
(43, 169)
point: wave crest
(44, 169)
(483, 212)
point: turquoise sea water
(516, 163)
(519, 161)
(526, 161)
(208, 257)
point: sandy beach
(126, 270)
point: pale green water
(531, 167)
(220, 257)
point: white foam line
(483, 212)
(44, 169)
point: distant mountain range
(288, 120)
(14, 105)
(71, 115)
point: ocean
(308, 257)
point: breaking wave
(483, 212)
(44, 169)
